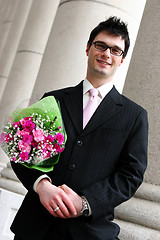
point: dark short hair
(113, 26)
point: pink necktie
(90, 107)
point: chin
(103, 72)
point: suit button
(72, 166)
(79, 143)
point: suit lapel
(74, 104)
(110, 105)
(73, 101)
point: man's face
(104, 64)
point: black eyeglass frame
(117, 55)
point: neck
(98, 81)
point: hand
(52, 197)
(74, 197)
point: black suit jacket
(104, 162)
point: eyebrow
(115, 46)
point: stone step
(140, 211)
(12, 186)
(10, 182)
(9, 173)
(149, 192)
(131, 231)
(143, 208)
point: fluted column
(7, 13)
(143, 86)
(64, 62)
(12, 41)
(18, 87)
(29, 54)
(28, 57)
(8, 10)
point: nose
(107, 52)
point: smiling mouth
(102, 62)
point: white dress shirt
(102, 91)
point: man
(104, 159)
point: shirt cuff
(39, 179)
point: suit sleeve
(105, 195)
(25, 175)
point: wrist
(85, 207)
(44, 176)
(42, 183)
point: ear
(122, 61)
(87, 50)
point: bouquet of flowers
(35, 136)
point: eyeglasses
(101, 46)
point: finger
(74, 197)
(60, 214)
(62, 200)
(51, 210)
(64, 209)
(56, 213)
(66, 189)
(69, 204)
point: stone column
(12, 42)
(143, 86)
(19, 86)
(28, 57)
(7, 13)
(8, 9)
(29, 54)
(64, 61)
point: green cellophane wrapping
(47, 106)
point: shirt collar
(103, 90)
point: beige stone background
(42, 47)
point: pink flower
(46, 154)
(34, 143)
(57, 148)
(24, 156)
(61, 150)
(2, 138)
(59, 137)
(24, 147)
(16, 124)
(38, 134)
(8, 137)
(28, 118)
(22, 133)
(27, 138)
(49, 138)
(49, 147)
(22, 121)
(29, 126)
